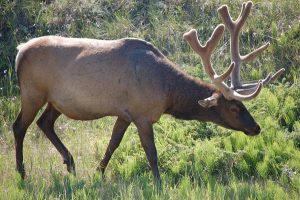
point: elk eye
(234, 109)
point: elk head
(227, 102)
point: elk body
(87, 79)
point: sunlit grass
(194, 164)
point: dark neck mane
(184, 95)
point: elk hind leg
(46, 124)
(29, 108)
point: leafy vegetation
(197, 160)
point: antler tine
(249, 95)
(249, 88)
(251, 56)
(226, 74)
(206, 50)
(277, 74)
(210, 45)
(245, 11)
(227, 20)
(205, 54)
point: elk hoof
(101, 169)
(71, 169)
(21, 171)
(70, 166)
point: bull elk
(87, 79)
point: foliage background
(197, 160)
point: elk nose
(257, 129)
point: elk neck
(184, 94)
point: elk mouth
(252, 131)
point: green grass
(197, 160)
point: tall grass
(197, 160)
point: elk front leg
(116, 138)
(46, 124)
(146, 135)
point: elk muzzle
(252, 131)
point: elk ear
(210, 101)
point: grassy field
(196, 160)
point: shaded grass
(161, 23)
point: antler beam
(234, 28)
